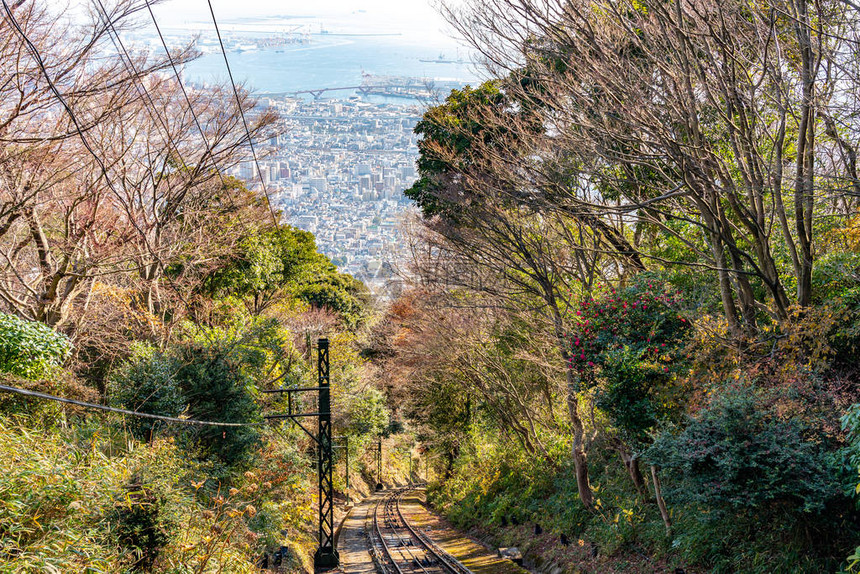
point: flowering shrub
(629, 346)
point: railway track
(399, 548)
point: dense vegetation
(629, 340)
(635, 318)
(137, 275)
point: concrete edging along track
(340, 524)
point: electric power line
(128, 62)
(38, 395)
(185, 93)
(104, 172)
(241, 112)
(39, 62)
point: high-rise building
(363, 169)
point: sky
(416, 9)
(414, 17)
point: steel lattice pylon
(326, 555)
(379, 485)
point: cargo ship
(443, 60)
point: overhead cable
(129, 65)
(128, 62)
(241, 113)
(38, 395)
(41, 63)
(185, 93)
(74, 119)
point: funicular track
(399, 548)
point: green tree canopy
(277, 263)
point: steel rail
(369, 528)
(385, 548)
(393, 521)
(447, 561)
(390, 520)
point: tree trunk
(730, 310)
(580, 461)
(661, 504)
(631, 463)
(450, 457)
(804, 182)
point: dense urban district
(597, 313)
(338, 169)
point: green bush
(216, 389)
(755, 489)
(146, 383)
(211, 378)
(740, 453)
(30, 349)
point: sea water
(329, 61)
